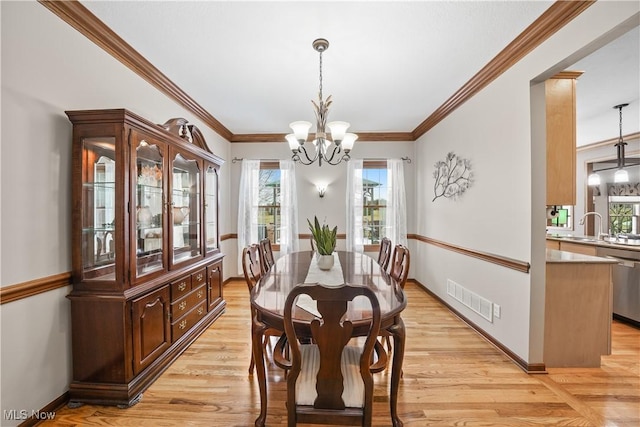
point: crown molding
(562, 75)
(80, 18)
(557, 16)
(611, 141)
(362, 137)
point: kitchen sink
(580, 238)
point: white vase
(325, 262)
(144, 216)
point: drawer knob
(199, 277)
(200, 311)
(182, 286)
(200, 294)
(182, 305)
(183, 324)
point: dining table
(290, 270)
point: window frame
(372, 164)
(271, 165)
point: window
(374, 204)
(624, 212)
(560, 217)
(269, 220)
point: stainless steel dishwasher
(626, 283)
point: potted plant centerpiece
(325, 239)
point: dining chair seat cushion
(353, 393)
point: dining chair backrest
(313, 244)
(329, 377)
(400, 264)
(266, 252)
(384, 255)
(251, 265)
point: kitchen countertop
(592, 241)
(557, 257)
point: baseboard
(48, 412)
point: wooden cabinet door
(211, 235)
(214, 285)
(151, 327)
(560, 95)
(147, 235)
(186, 201)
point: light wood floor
(452, 377)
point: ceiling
(388, 67)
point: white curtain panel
(288, 208)
(396, 221)
(248, 207)
(355, 238)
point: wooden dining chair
(313, 244)
(266, 252)
(384, 255)
(400, 262)
(252, 269)
(330, 381)
(399, 271)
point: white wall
(493, 129)
(332, 207)
(47, 68)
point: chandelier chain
(620, 109)
(320, 76)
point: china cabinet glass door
(185, 209)
(149, 202)
(98, 209)
(211, 208)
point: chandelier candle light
(340, 142)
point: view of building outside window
(375, 188)
(269, 205)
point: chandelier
(332, 151)
(621, 174)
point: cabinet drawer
(180, 288)
(184, 324)
(183, 305)
(198, 278)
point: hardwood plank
(452, 377)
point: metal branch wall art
(453, 177)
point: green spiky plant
(324, 237)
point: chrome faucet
(600, 236)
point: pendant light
(621, 175)
(593, 179)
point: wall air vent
(475, 302)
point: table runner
(333, 277)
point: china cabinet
(147, 267)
